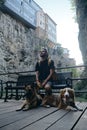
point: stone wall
(81, 13)
(18, 46)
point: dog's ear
(33, 86)
(60, 99)
(72, 94)
(72, 91)
(61, 90)
(25, 86)
(61, 93)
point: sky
(67, 29)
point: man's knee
(48, 89)
(48, 85)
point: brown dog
(32, 98)
(62, 101)
(67, 98)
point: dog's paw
(47, 106)
(80, 109)
(19, 109)
(25, 109)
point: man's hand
(39, 84)
(44, 83)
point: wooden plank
(68, 121)
(21, 119)
(10, 113)
(44, 123)
(6, 107)
(37, 119)
(12, 117)
(47, 121)
(82, 124)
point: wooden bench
(18, 86)
(64, 80)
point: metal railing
(74, 79)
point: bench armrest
(10, 83)
(69, 82)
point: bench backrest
(64, 80)
(25, 79)
(62, 76)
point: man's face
(43, 54)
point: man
(44, 70)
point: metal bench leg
(16, 94)
(6, 95)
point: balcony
(20, 10)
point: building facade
(46, 27)
(40, 25)
(33, 16)
(50, 29)
(23, 10)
